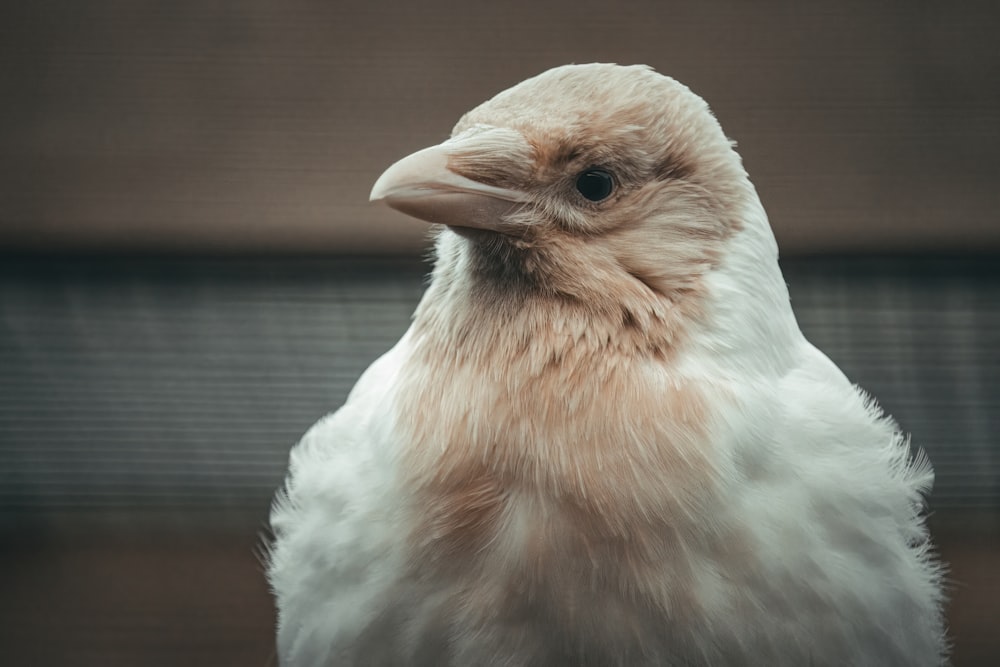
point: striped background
(178, 383)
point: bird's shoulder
(348, 452)
(336, 522)
(821, 405)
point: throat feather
(582, 417)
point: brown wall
(261, 126)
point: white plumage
(603, 440)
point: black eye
(595, 184)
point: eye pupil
(595, 184)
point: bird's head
(606, 185)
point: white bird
(604, 439)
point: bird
(603, 439)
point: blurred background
(191, 275)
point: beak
(466, 181)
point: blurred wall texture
(190, 273)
